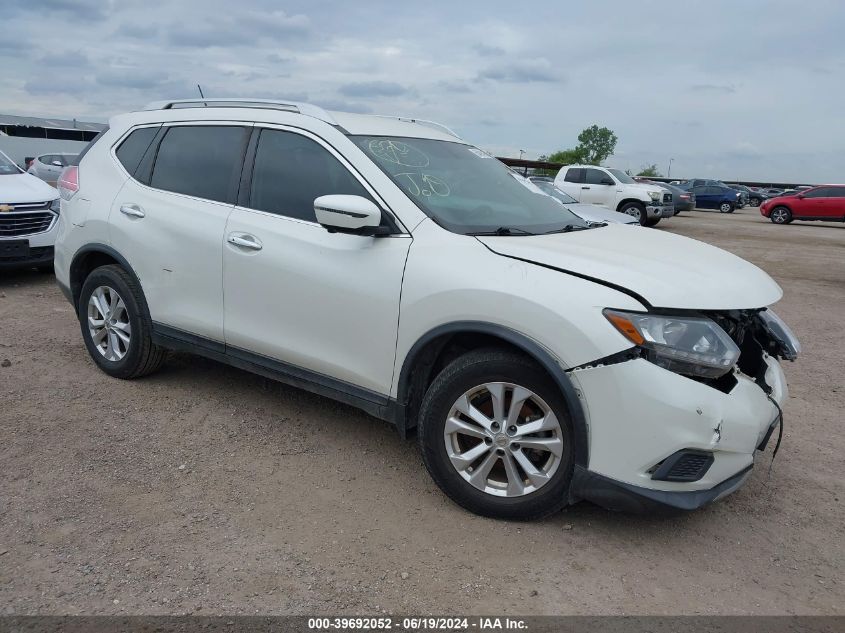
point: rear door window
(574, 174)
(200, 160)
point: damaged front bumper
(640, 415)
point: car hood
(596, 213)
(644, 187)
(21, 188)
(668, 271)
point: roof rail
(306, 109)
(431, 124)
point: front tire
(496, 438)
(726, 207)
(636, 210)
(115, 328)
(755, 202)
(781, 215)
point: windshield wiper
(568, 229)
(505, 230)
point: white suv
(388, 264)
(617, 191)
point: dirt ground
(205, 489)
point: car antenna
(202, 96)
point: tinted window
(201, 160)
(824, 192)
(595, 176)
(575, 174)
(131, 150)
(291, 171)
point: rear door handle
(584, 187)
(245, 240)
(132, 210)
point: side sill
(368, 401)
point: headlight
(693, 346)
(55, 206)
(789, 347)
(655, 195)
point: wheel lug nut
(512, 428)
(500, 451)
(495, 426)
(515, 446)
(488, 441)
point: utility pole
(669, 171)
(521, 152)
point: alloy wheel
(108, 323)
(503, 439)
(725, 208)
(780, 215)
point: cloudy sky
(729, 89)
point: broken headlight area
(694, 346)
(707, 346)
(758, 333)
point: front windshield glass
(549, 189)
(465, 190)
(622, 177)
(7, 167)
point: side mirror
(349, 214)
(57, 163)
(606, 181)
(800, 196)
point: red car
(823, 202)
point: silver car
(48, 167)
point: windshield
(465, 190)
(549, 189)
(7, 167)
(622, 177)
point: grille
(686, 465)
(19, 224)
(667, 197)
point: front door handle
(245, 240)
(584, 187)
(132, 210)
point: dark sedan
(684, 200)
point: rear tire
(115, 327)
(755, 202)
(781, 215)
(636, 210)
(479, 461)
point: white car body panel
(668, 270)
(25, 188)
(595, 213)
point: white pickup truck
(616, 190)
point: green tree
(596, 143)
(649, 171)
(568, 156)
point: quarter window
(200, 160)
(132, 150)
(292, 170)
